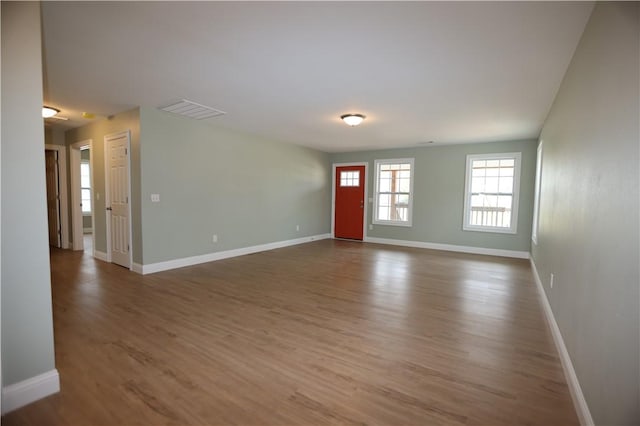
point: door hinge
(126, 151)
(127, 247)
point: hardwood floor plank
(329, 332)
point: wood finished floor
(330, 332)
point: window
(394, 192)
(536, 196)
(491, 192)
(85, 187)
(350, 178)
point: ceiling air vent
(192, 110)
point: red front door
(349, 202)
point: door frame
(62, 189)
(107, 193)
(76, 196)
(366, 197)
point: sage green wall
(246, 189)
(588, 227)
(48, 135)
(27, 326)
(54, 136)
(439, 194)
(128, 120)
(86, 222)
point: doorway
(53, 197)
(82, 196)
(86, 195)
(56, 175)
(349, 198)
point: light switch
(155, 198)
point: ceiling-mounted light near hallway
(352, 119)
(48, 112)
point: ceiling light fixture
(48, 112)
(352, 119)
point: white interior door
(117, 202)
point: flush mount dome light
(352, 119)
(48, 112)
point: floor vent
(192, 110)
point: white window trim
(536, 196)
(409, 221)
(516, 193)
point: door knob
(109, 208)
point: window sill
(389, 223)
(491, 230)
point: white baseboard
(211, 257)
(100, 255)
(30, 390)
(450, 247)
(579, 402)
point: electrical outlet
(297, 228)
(551, 281)
(215, 238)
(155, 198)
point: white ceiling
(420, 71)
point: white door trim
(62, 184)
(76, 199)
(107, 193)
(333, 197)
